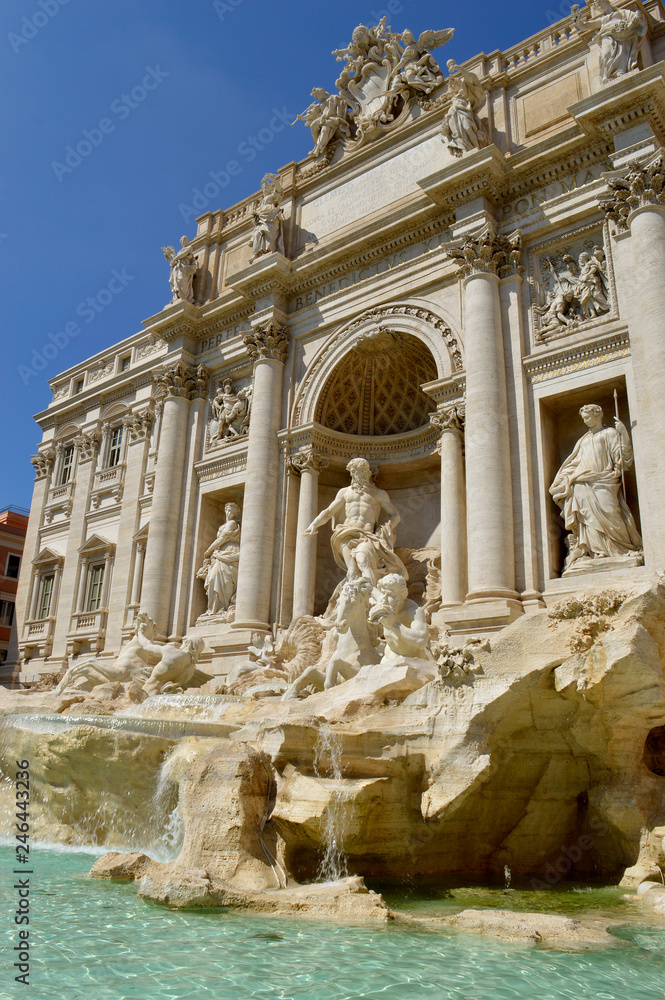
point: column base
(250, 626)
(479, 617)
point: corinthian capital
(308, 460)
(183, 382)
(269, 342)
(449, 420)
(43, 463)
(637, 186)
(87, 445)
(487, 253)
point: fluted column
(637, 204)
(309, 464)
(484, 260)
(453, 507)
(267, 345)
(179, 385)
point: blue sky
(180, 86)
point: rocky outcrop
(531, 928)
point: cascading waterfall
(328, 764)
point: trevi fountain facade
(356, 550)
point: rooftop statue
(268, 217)
(360, 545)
(183, 268)
(588, 488)
(462, 129)
(382, 70)
(619, 34)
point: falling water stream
(328, 764)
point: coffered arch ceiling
(376, 387)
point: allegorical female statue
(220, 564)
(268, 217)
(183, 268)
(588, 488)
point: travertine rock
(542, 928)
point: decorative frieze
(641, 185)
(269, 342)
(488, 253)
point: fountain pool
(99, 940)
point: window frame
(45, 578)
(115, 449)
(13, 555)
(91, 596)
(12, 614)
(66, 467)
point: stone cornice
(568, 358)
(476, 174)
(627, 102)
(269, 274)
(339, 448)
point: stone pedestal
(267, 345)
(309, 464)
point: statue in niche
(231, 412)
(588, 488)
(619, 34)
(578, 291)
(462, 129)
(405, 627)
(176, 668)
(327, 118)
(268, 218)
(220, 566)
(183, 268)
(360, 544)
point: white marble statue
(405, 627)
(134, 662)
(183, 268)
(417, 67)
(462, 129)
(220, 565)
(176, 666)
(353, 640)
(592, 291)
(230, 412)
(588, 488)
(327, 118)
(577, 291)
(268, 219)
(619, 35)
(360, 544)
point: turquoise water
(97, 940)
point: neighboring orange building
(13, 526)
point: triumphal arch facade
(462, 284)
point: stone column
(138, 573)
(178, 385)
(484, 260)
(83, 581)
(309, 464)
(637, 204)
(453, 507)
(267, 345)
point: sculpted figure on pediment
(588, 488)
(462, 129)
(183, 268)
(619, 35)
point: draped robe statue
(588, 489)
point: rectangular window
(13, 566)
(46, 596)
(115, 447)
(3, 655)
(6, 612)
(78, 386)
(125, 362)
(66, 465)
(96, 585)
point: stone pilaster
(308, 464)
(484, 260)
(267, 344)
(453, 506)
(178, 386)
(636, 205)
